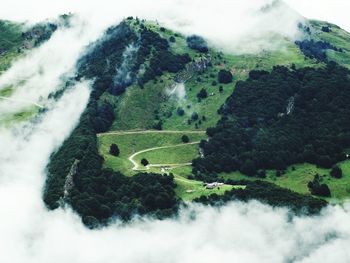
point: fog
(237, 232)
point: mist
(237, 232)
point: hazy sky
(336, 11)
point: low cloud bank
(237, 232)
(239, 26)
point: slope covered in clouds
(239, 232)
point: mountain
(172, 119)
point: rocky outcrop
(69, 183)
(192, 68)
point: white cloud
(335, 11)
(237, 232)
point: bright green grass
(337, 37)
(137, 108)
(297, 177)
(6, 92)
(24, 115)
(131, 143)
(188, 190)
(174, 155)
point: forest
(276, 119)
(99, 194)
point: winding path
(136, 165)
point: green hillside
(152, 86)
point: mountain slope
(146, 77)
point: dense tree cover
(197, 43)
(99, 194)
(270, 194)
(105, 57)
(315, 49)
(156, 48)
(202, 94)
(40, 33)
(276, 119)
(225, 76)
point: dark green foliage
(202, 94)
(270, 194)
(194, 116)
(197, 43)
(317, 188)
(114, 150)
(110, 194)
(316, 50)
(10, 36)
(326, 29)
(156, 48)
(278, 119)
(172, 39)
(224, 76)
(105, 57)
(40, 33)
(336, 172)
(144, 162)
(185, 139)
(180, 111)
(158, 125)
(100, 194)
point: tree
(336, 172)
(114, 150)
(180, 111)
(144, 162)
(172, 39)
(202, 94)
(197, 43)
(185, 139)
(194, 116)
(249, 168)
(224, 76)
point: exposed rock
(69, 184)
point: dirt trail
(148, 131)
(136, 165)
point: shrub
(197, 43)
(336, 172)
(194, 116)
(224, 76)
(114, 150)
(202, 94)
(144, 162)
(185, 139)
(172, 39)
